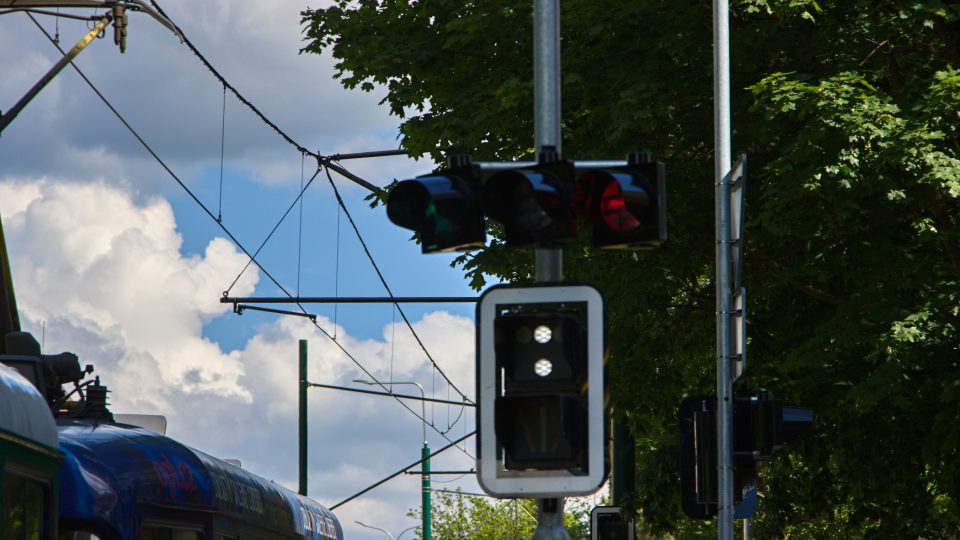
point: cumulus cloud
(102, 275)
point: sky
(114, 261)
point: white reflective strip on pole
(721, 97)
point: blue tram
(120, 481)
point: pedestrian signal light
(540, 388)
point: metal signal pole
(721, 98)
(549, 261)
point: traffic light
(442, 208)
(541, 418)
(608, 523)
(540, 391)
(761, 426)
(626, 206)
(533, 204)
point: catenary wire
(275, 227)
(383, 281)
(321, 160)
(154, 154)
(222, 226)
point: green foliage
(850, 113)
(459, 516)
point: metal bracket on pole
(8, 117)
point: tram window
(24, 515)
(169, 533)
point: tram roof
(23, 411)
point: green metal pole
(425, 454)
(303, 417)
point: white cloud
(105, 275)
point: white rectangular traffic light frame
(599, 512)
(493, 477)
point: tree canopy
(849, 111)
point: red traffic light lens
(613, 209)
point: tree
(460, 516)
(850, 113)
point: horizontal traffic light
(442, 208)
(538, 204)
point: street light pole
(424, 454)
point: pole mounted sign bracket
(546, 386)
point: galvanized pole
(546, 104)
(303, 417)
(549, 261)
(721, 98)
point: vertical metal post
(303, 418)
(549, 261)
(427, 534)
(721, 97)
(546, 105)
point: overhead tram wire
(383, 281)
(322, 161)
(221, 225)
(275, 227)
(401, 471)
(152, 153)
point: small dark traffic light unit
(442, 208)
(609, 523)
(626, 206)
(761, 426)
(540, 391)
(533, 204)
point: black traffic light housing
(541, 418)
(442, 208)
(533, 204)
(761, 426)
(626, 206)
